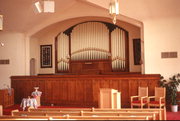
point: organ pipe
(90, 37)
(118, 49)
(63, 52)
(90, 41)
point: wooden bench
(85, 113)
(154, 115)
(75, 118)
(161, 112)
(7, 117)
(61, 109)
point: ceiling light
(114, 9)
(49, 6)
(46, 6)
(38, 6)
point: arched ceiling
(20, 15)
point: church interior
(89, 59)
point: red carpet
(7, 111)
(173, 115)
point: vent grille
(4, 61)
(169, 55)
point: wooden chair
(141, 99)
(159, 99)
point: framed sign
(137, 51)
(46, 56)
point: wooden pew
(7, 117)
(105, 117)
(30, 109)
(75, 118)
(151, 115)
(161, 114)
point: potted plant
(171, 90)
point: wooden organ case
(92, 48)
(91, 67)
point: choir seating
(159, 99)
(141, 99)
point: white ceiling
(20, 15)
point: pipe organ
(118, 49)
(63, 52)
(90, 42)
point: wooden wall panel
(81, 90)
(6, 97)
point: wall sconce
(2, 44)
(1, 22)
(114, 9)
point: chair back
(160, 92)
(143, 91)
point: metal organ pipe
(89, 41)
(62, 52)
(118, 49)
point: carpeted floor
(7, 111)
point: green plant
(171, 88)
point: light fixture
(1, 22)
(38, 6)
(49, 6)
(46, 6)
(2, 44)
(114, 9)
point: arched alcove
(48, 34)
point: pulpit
(110, 98)
(37, 95)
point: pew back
(161, 111)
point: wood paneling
(6, 97)
(90, 67)
(81, 90)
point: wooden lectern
(110, 98)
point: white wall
(34, 52)
(47, 39)
(162, 35)
(14, 50)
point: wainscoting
(81, 90)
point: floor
(170, 115)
